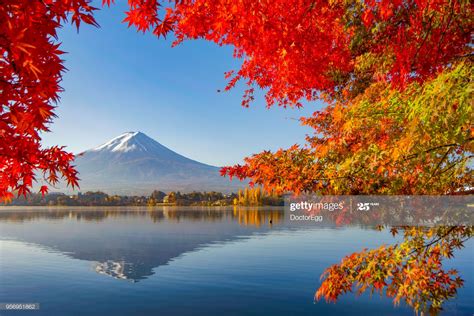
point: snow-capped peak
(130, 141)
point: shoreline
(135, 208)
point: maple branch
(438, 147)
(429, 244)
(469, 55)
(425, 38)
(348, 176)
(439, 164)
(447, 26)
(457, 162)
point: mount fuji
(134, 163)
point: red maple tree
(294, 50)
(397, 77)
(30, 72)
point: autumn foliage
(410, 271)
(30, 72)
(396, 75)
(385, 141)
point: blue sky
(119, 80)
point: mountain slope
(134, 163)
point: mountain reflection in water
(130, 243)
(187, 261)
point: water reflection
(128, 244)
(183, 261)
(118, 270)
(258, 217)
(242, 215)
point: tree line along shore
(246, 197)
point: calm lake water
(170, 261)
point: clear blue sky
(119, 80)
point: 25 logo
(363, 206)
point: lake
(185, 261)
